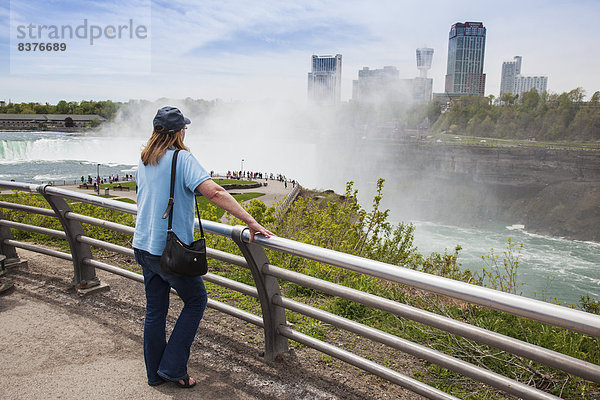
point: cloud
(259, 41)
(244, 50)
(86, 37)
(225, 28)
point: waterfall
(106, 150)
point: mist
(269, 136)
(321, 147)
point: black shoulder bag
(178, 258)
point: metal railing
(287, 201)
(273, 304)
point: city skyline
(220, 50)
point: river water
(551, 268)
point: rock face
(550, 191)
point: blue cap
(169, 120)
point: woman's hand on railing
(255, 228)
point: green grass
(233, 182)
(129, 184)
(247, 196)
(9, 197)
(451, 138)
(126, 200)
(203, 202)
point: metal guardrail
(273, 304)
(287, 201)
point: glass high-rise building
(325, 79)
(466, 50)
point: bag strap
(169, 211)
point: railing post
(84, 276)
(267, 287)
(9, 251)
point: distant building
(423, 86)
(325, 79)
(513, 82)
(466, 51)
(424, 60)
(376, 85)
(422, 89)
(526, 83)
(47, 121)
(510, 70)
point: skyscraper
(466, 50)
(325, 79)
(510, 69)
(513, 82)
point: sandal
(186, 383)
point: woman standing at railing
(167, 360)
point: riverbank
(549, 191)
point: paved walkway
(274, 191)
(55, 344)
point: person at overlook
(167, 360)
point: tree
(508, 98)
(546, 116)
(62, 107)
(530, 100)
(577, 95)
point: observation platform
(55, 343)
(275, 191)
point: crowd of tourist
(113, 178)
(257, 176)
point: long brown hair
(159, 143)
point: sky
(240, 50)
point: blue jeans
(168, 360)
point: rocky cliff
(550, 191)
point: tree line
(104, 108)
(542, 116)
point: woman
(167, 360)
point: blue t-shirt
(153, 196)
